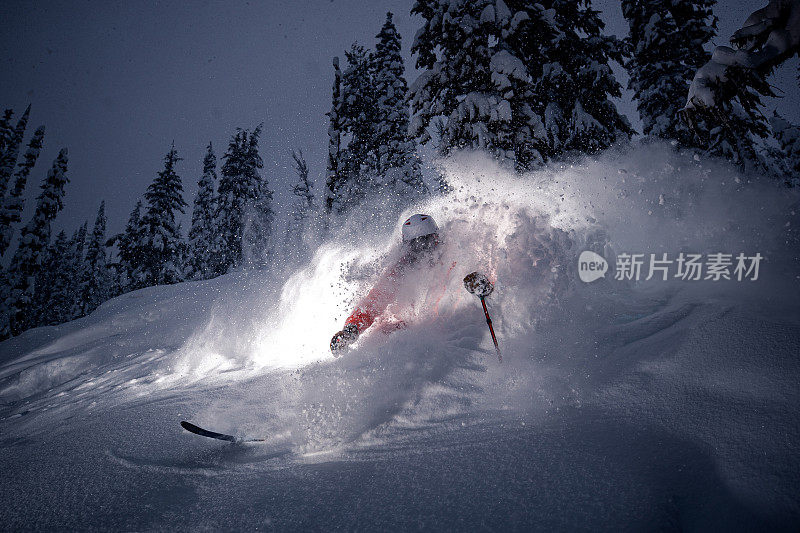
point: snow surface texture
(652, 405)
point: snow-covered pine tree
(161, 239)
(60, 279)
(359, 111)
(788, 137)
(201, 234)
(302, 190)
(303, 206)
(334, 177)
(244, 213)
(480, 61)
(736, 128)
(303, 221)
(10, 153)
(390, 87)
(666, 46)
(6, 130)
(34, 240)
(396, 157)
(96, 279)
(76, 265)
(14, 203)
(53, 284)
(259, 216)
(231, 199)
(131, 252)
(578, 84)
(357, 162)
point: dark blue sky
(116, 82)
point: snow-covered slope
(661, 404)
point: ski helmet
(419, 226)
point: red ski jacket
(384, 293)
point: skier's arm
(367, 311)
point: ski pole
(479, 285)
(491, 329)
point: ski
(197, 430)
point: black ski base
(197, 430)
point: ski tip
(197, 430)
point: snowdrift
(668, 404)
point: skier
(420, 241)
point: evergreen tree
(302, 216)
(58, 295)
(359, 112)
(131, 252)
(161, 239)
(257, 234)
(76, 265)
(736, 128)
(304, 196)
(480, 61)
(201, 234)
(396, 158)
(14, 203)
(244, 206)
(231, 202)
(335, 177)
(666, 43)
(34, 239)
(788, 137)
(390, 89)
(53, 297)
(369, 149)
(8, 158)
(6, 131)
(96, 279)
(357, 161)
(577, 83)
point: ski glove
(343, 339)
(478, 284)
